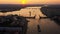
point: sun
(23, 1)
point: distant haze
(30, 1)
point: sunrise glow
(29, 1)
(23, 1)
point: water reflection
(47, 26)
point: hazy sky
(29, 1)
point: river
(47, 26)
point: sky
(29, 1)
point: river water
(47, 26)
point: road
(47, 26)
